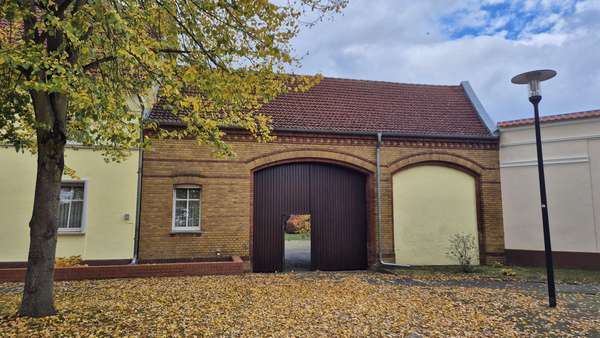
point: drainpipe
(378, 205)
(138, 199)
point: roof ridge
(380, 81)
(390, 82)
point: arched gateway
(335, 198)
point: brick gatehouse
(439, 175)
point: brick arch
(344, 159)
(457, 161)
(312, 155)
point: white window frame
(186, 228)
(81, 229)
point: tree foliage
(75, 70)
(217, 61)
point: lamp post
(533, 79)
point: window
(186, 208)
(70, 213)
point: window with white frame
(186, 208)
(71, 210)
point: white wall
(572, 166)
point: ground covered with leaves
(305, 304)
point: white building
(571, 144)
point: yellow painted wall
(111, 193)
(431, 203)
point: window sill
(195, 233)
(70, 233)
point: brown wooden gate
(334, 196)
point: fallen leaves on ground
(302, 304)
(67, 262)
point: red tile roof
(551, 118)
(344, 105)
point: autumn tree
(69, 70)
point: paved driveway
(297, 255)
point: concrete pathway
(490, 283)
(297, 255)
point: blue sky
(485, 42)
(512, 19)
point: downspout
(378, 204)
(138, 199)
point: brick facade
(226, 210)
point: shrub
(497, 265)
(508, 272)
(463, 249)
(66, 262)
(298, 224)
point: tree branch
(172, 51)
(189, 34)
(96, 63)
(62, 6)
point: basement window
(186, 208)
(71, 212)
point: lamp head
(533, 79)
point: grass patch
(504, 272)
(297, 237)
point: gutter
(138, 199)
(393, 134)
(378, 205)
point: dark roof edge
(391, 134)
(479, 108)
(363, 133)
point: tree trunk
(38, 294)
(50, 108)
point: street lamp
(533, 79)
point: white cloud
(589, 5)
(406, 41)
(545, 39)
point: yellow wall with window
(431, 203)
(110, 194)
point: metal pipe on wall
(378, 204)
(138, 199)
